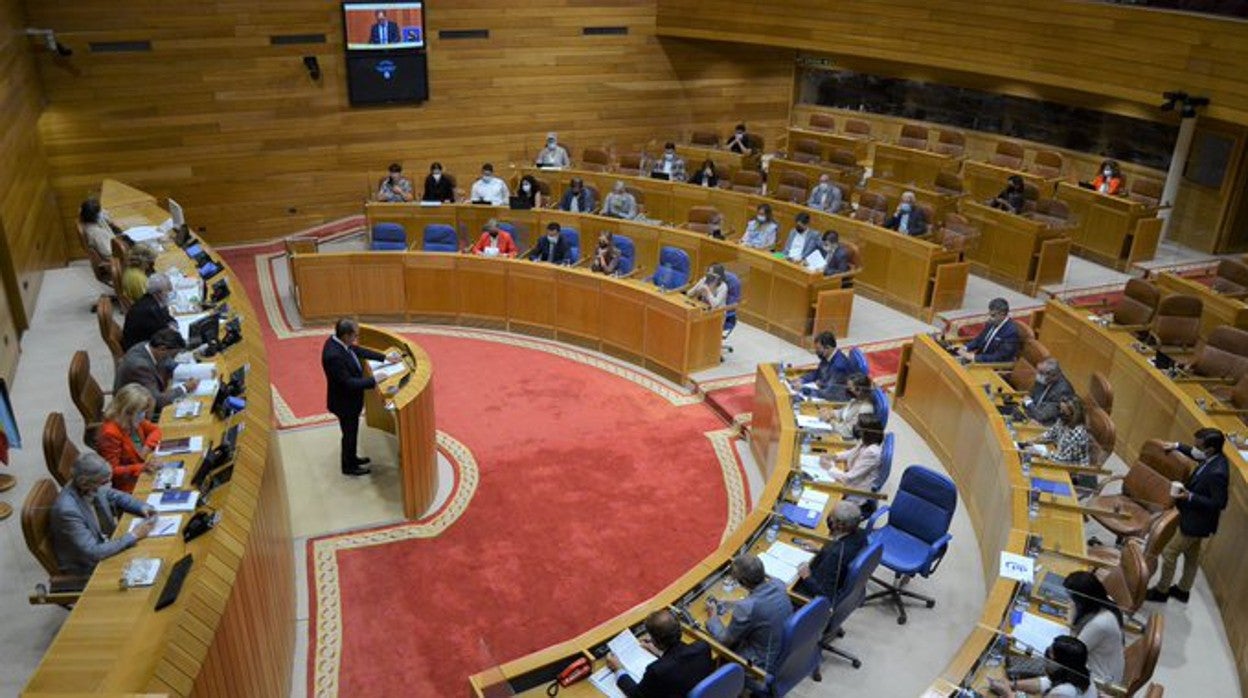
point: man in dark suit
(1047, 394)
(679, 666)
(577, 197)
(908, 218)
(552, 247)
(826, 572)
(827, 381)
(1200, 501)
(149, 313)
(146, 363)
(835, 254)
(999, 341)
(384, 31)
(342, 359)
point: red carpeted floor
(594, 493)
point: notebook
(800, 516)
(1053, 487)
(172, 447)
(173, 500)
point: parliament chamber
(624, 348)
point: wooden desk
(1217, 309)
(1111, 228)
(983, 180)
(231, 632)
(844, 177)
(910, 165)
(1148, 405)
(726, 162)
(829, 142)
(1016, 250)
(664, 332)
(408, 415)
(898, 270)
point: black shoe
(356, 471)
(1158, 595)
(1179, 595)
(362, 461)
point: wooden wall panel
(28, 217)
(235, 130)
(1111, 55)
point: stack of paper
(383, 371)
(1036, 633)
(604, 681)
(813, 499)
(812, 423)
(812, 468)
(165, 525)
(169, 478)
(781, 561)
(186, 409)
(143, 233)
(633, 657)
(140, 572)
(206, 388)
(173, 500)
(816, 261)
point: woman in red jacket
(127, 439)
(494, 242)
(1108, 179)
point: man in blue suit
(999, 341)
(1200, 501)
(827, 381)
(385, 31)
(757, 627)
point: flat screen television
(385, 54)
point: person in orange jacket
(127, 439)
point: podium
(408, 416)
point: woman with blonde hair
(140, 264)
(127, 438)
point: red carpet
(594, 493)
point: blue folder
(800, 515)
(1053, 487)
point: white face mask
(550, 143)
(437, 176)
(1198, 454)
(669, 156)
(526, 186)
(140, 418)
(552, 238)
(761, 218)
(486, 177)
(1107, 172)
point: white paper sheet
(1036, 632)
(789, 553)
(1018, 567)
(633, 657)
(165, 525)
(604, 681)
(816, 261)
(201, 371)
(143, 233)
(813, 499)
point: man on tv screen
(384, 31)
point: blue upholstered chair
(879, 400)
(725, 682)
(799, 649)
(858, 360)
(673, 270)
(850, 598)
(628, 255)
(440, 237)
(917, 534)
(572, 238)
(388, 236)
(734, 297)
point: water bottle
(1020, 606)
(795, 488)
(773, 531)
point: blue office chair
(388, 236)
(673, 269)
(799, 649)
(858, 360)
(734, 297)
(917, 534)
(881, 475)
(572, 238)
(725, 682)
(850, 597)
(628, 255)
(879, 400)
(440, 237)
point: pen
(167, 528)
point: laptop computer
(519, 204)
(659, 174)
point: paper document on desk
(816, 261)
(383, 371)
(604, 681)
(812, 468)
(813, 499)
(173, 500)
(1037, 633)
(144, 233)
(186, 409)
(781, 561)
(633, 657)
(790, 554)
(187, 371)
(812, 423)
(206, 388)
(165, 525)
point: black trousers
(350, 425)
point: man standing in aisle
(342, 359)
(384, 31)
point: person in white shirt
(712, 289)
(826, 196)
(844, 418)
(553, 155)
(670, 164)
(489, 189)
(94, 222)
(760, 232)
(620, 203)
(802, 241)
(858, 466)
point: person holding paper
(858, 466)
(150, 313)
(1200, 500)
(127, 439)
(494, 242)
(1066, 674)
(82, 521)
(802, 241)
(825, 574)
(757, 626)
(149, 365)
(827, 381)
(679, 666)
(342, 360)
(835, 255)
(844, 418)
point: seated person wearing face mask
(739, 141)
(528, 194)
(669, 164)
(82, 519)
(494, 242)
(148, 314)
(577, 198)
(999, 341)
(757, 625)
(711, 289)
(150, 364)
(438, 186)
(1013, 197)
(826, 382)
(394, 187)
(553, 155)
(858, 389)
(802, 241)
(908, 218)
(620, 203)
(827, 571)
(706, 176)
(127, 438)
(760, 232)
(1109, 180)
(489, 189)
(1050, 389)
(607, 255)
(826, 196)
(551, 247)
(835, 255)
(858, 466)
